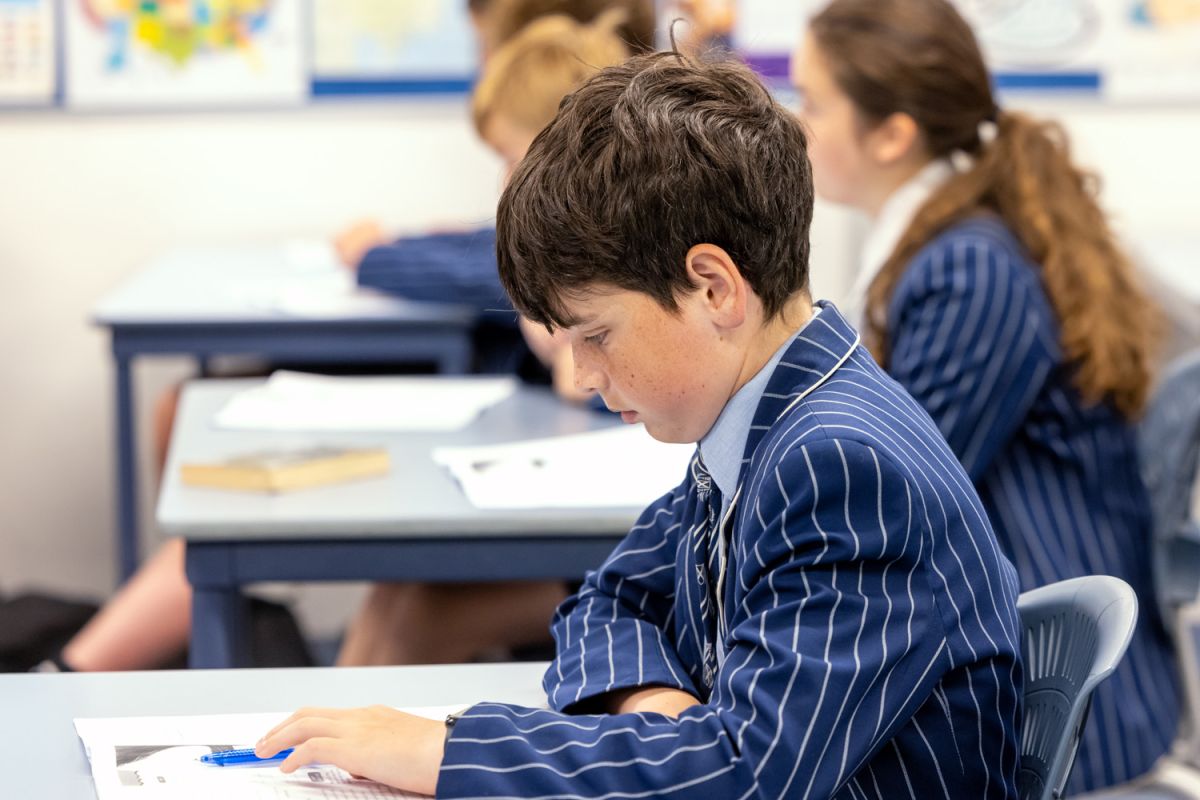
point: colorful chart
(27, 49)
(165, 53)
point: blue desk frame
(446, 342)
(218, 570)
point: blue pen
(245, 755)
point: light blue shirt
(723, 446)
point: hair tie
(987, 131)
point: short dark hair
(644, 161)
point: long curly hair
(920, 58)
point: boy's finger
(321, 750)
(295, 733)
(302, 713)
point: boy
(820, 608)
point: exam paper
(295, 401)
(158, 757)
(614, 468)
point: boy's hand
(378, 743)
(658, 699)
(354, 242)
(554, 351)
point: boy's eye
(596, 338)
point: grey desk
(257, 301)
(412, 524)
(41, 757)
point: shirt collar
(888, 229)
(723, 446)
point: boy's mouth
(629, 417)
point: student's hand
(554, 351)
(710, 19)
(545, 345)
(378, 743)
(354, 242)
(562, 375)
(658, 699)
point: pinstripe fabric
(441, 268)
(975, 341)
(869, 646)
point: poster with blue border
(362, 47)
(1125, 51)
(28, 53)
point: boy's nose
(588, 377)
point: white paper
(614, 468)
(158, 757)
(294, 401)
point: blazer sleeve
(614, 632)
(441, 268)
(974, 340)
(828, 655)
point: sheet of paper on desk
(294, 401)
(613, 468)
(158, 757)
(312, 294)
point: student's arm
(441, 268)
(835, 645)
(973, 340)
(613, 634)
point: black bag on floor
(34, 627)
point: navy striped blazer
(868, 645)
(975, 340)
(457, 267)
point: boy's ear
(723, 290)
(894, 138)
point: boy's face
(660, 368)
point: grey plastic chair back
(1073, 635)
(1168, 449)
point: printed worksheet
(159, 757)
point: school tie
(707, 552)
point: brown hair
(644, 161)
(527, 78)
(504, 18)
(920, 58)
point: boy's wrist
(656, 699)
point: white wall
(86, 200)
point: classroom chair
(1169, 449)
(1073, 635)
(1169, 446)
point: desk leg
(220, 630)
(220, 616)
(127, 532)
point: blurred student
(795, 619)
(992, 288)
(147, 622)
(461, 266)
(517, 95)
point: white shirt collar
(889, 226)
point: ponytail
(1026, 177)
(920, 58)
